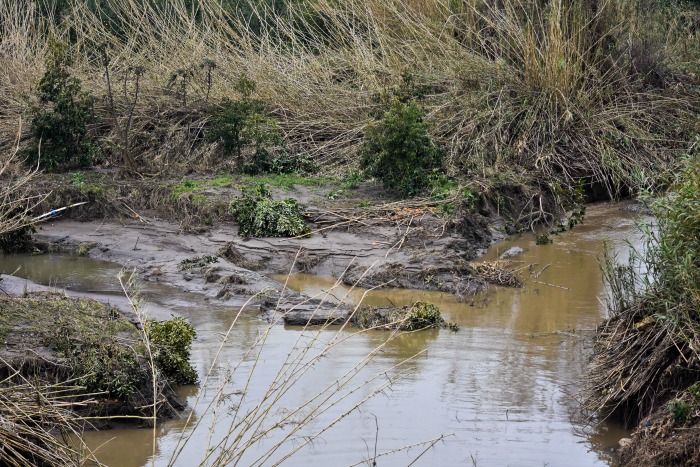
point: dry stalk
(38, 425)
(15, 202)
(254, 418)
(498, 273)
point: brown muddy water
(501, 391)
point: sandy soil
(409, 251)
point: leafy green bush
(422, 315)
(398, 150)
(60, 124)
(120, 375)
(233, 124)
(680, 411)
(284, 163)
(352, 180)
(407, 90)
(99, 362)
(172, 341)
(259, 216)
(247, 132)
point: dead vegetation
(38, 424)
(646, 367)
(17, 199)
(498, 273)
(580, 90)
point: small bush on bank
(60, 123)
(248, 133)
(107, 365)
(420, 315)
(237, 124)
(399, 151)
(172, 340)
(259, 216)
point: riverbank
(646, 367)
(70, 364)
(364, 238)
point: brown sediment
(389, 243)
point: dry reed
(38, 425)
(15, 200)
(250, 418)
(564, 90)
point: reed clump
(38, 425)
(647, 363)
(604, 92)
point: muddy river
(501, 391)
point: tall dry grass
(16, 202)
(38, 425)
(589, 89)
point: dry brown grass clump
(37, 424)
(585, 89)
(497, 272)
(16, 200)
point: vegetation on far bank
(541, 93)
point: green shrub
(259, 216)
(680, 411)
(60, 123)
(172, 341)
(247, 132)
(99, 362)
(230, 124)
(407, 90)
(694, 391)
(352, 180)
(677, 255)
(108, 367)
(77, 179)
(265, 162)
(422, 315)
(398, 150)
